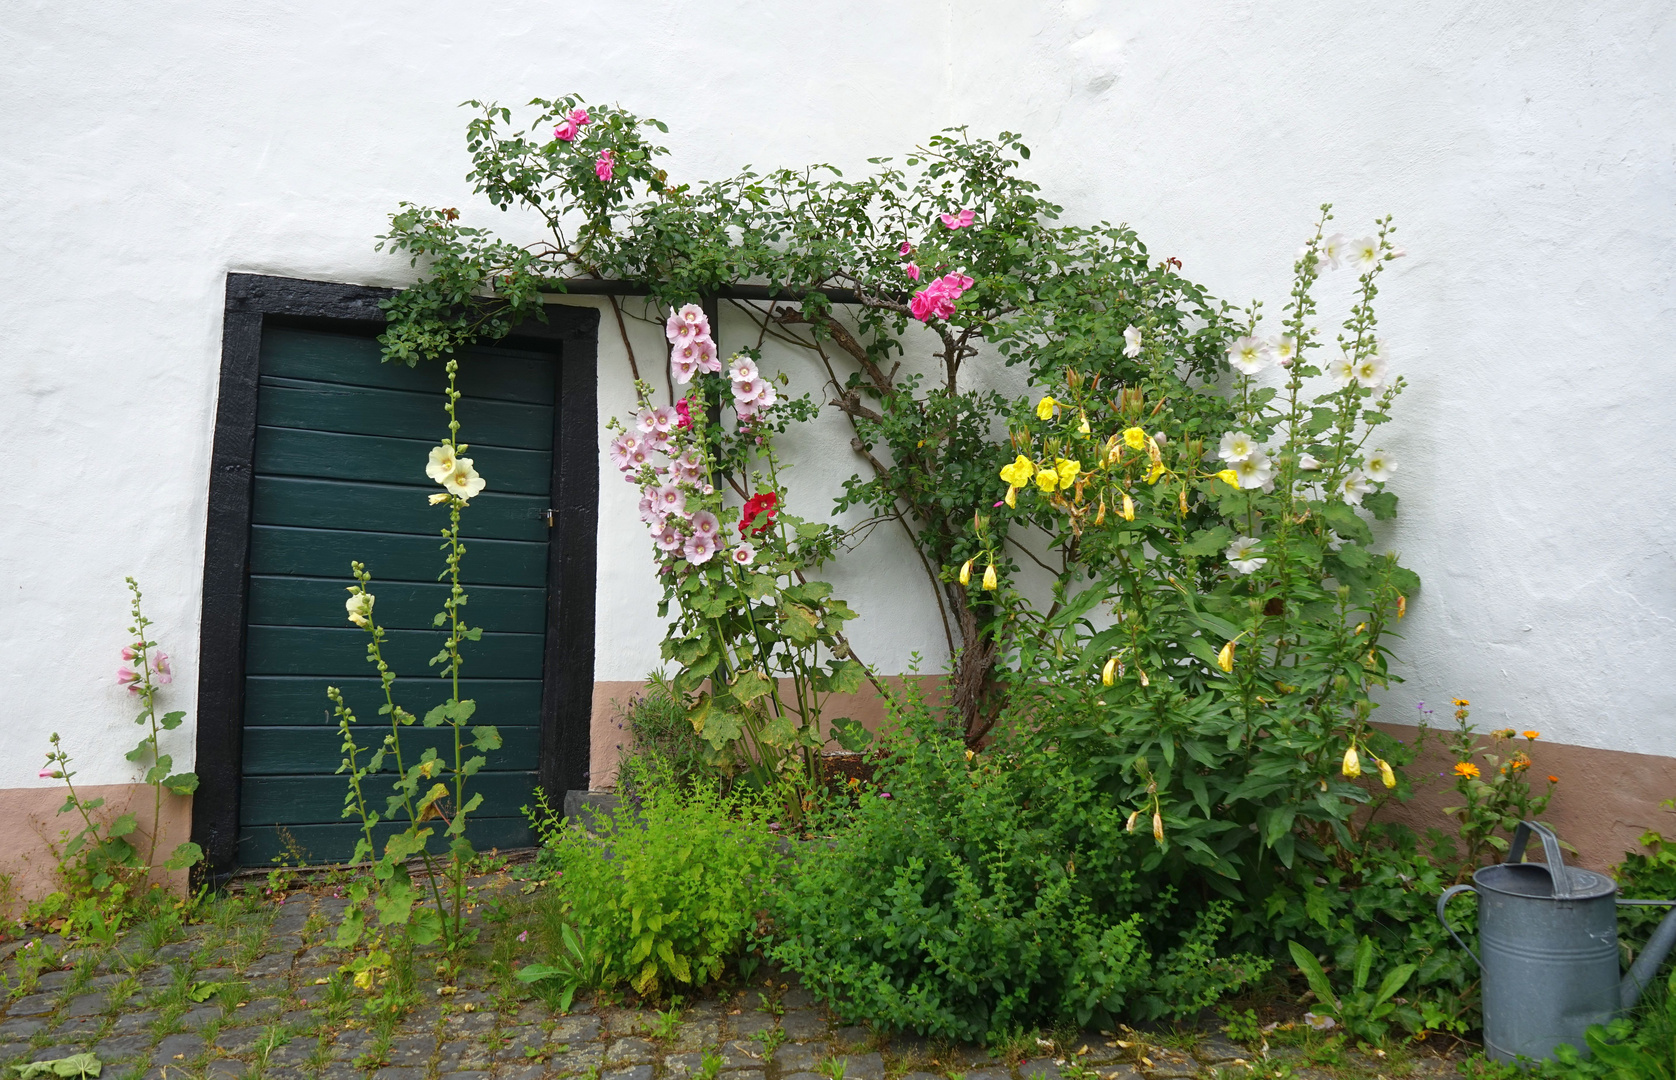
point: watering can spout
(1647, 964)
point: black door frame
(255, 302)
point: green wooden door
(340, 452)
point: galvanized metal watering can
(1548, 950)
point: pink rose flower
(913, 271)
(605, 164)
(572, 125)
(905, 249)
(959, 220)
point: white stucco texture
(1525, 149)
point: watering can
(1549, 938)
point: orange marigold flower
(1466, 768)
(1502, 733)
(1552, 779)
(1520, 761)
(1531, 735)
(1461, 703)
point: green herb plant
(1364, 1013)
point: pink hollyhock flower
(744, 555)
(47, 774)
(959, 220)
(621, 447)
(160, 669)
(690, 465)
(699, 549)
(670, 500)
(683, 361)
(705, 349)
(127, 676)
(679, 331)
(912, 270)
(661, 442)
(605, 164)
(669, 538)
(905, 249)
(684, 411)
(741, 369)
(704, 523)
(644, 421)
(638, 459)
(650, 512)
(663, 418)
(129, 652)
(693, 316)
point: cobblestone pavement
(256, 991)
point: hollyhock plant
(700, 549)
(684, 416)
(760, 505)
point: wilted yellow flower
(1044, 408)
(1142, 676)
(1108, 674)
(970, 754)
(1135, 438)
(1181, 500)
(1229, 477)
(1156, 471)
(1012, 497)
(1158, 826)
(1019, 472)
(439, 497)
(966, 572)
(990, 580)
(1352, 766)
(1467, 769)
(1100, 518)
(1047, 479)
(359, 606)
(1128, 508)
(1082, 425)
(1134, 816)
(1388, 777)
(1068, 469)
(1225, 657)
(1402, 606)
(1114, 450)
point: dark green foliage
(660, 740)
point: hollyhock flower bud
(129, 652)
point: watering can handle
(1550, 850)
(1443, 902)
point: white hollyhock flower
(1237, 446)
(1255, 470)
(744, 554)
(1379, 466)
(1370, 370)
(1364, 254)
(441, 463)
(1342, 371)
(1242, 554)
(1131, 342)
(359, 607)
(1285, 350)
(1307, 461)
(741, 369)
(1354, 487)
(1333, 249)
(463, 482)
(1249, 355)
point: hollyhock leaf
(472, 764)
(721, 727)
(186, 855)
(485, 737)
(459, 711)
(182, 783)
(1382, 504)
(1347, 523)
(437, 716)
(170, 721)
(749, 686)
(846, 676)
(140, 752)
(122, 826)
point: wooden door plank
(311, 650)
(399, 605)
(358, 410)
(291, 751)
(386, 508)
(328, 552)
(336, 456)
(300, 700)
(303, 800)
(268, 845)
(510, 374)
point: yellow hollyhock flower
(1229, 477)
(1225, 657)
(1019, 472)
(966, 572)
(1386, 776)
(1069, 469)
(1135, 438)
(1044, 408)
(1352, 764)
(990, 580)
(1108, 674)
(359, 606)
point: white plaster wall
(1525, 148)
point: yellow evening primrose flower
(1135, 438)
(1386, 776)
(1082, 425)
(1108, 674)
(1047, 479)
(1019, 472)
(1068, 470)
(990, 581)
(1229, 477)
(1044, 408)
(1352, 764)
(966, 572)
(1225, 657)
(1134, 816)
(1155, 472)
(1128, 508)
(1100, 518)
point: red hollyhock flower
(762, 505)
(684, 411)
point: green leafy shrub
(1646, 877)
(664, 893)
(974, 895)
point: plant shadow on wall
(1155, 778)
